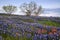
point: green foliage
(10, 26)
(28, 20)
(49, 23)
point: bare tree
(9, 9)
(30, 8)
(38, 11)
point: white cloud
(53, 14)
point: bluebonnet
(5, 26)
(48, 28)
(1, 22)
(58, 28)
(22, 27)
(35, 37)
(45, 36)
(28, 35)
(38, 37)
(51, 36)
(56, 36)
(1, 38)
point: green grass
(28, 20)
(49, 23)
(9, 37)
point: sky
(48, 4)
(44, 3)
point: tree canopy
(31, 8)
(9, 9)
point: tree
(30, 8)
(9, 9)
(38, 11)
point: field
(19, 27)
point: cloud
(18, 12)
(53, 14)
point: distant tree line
(29, 9)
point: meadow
(21, 27)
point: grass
(49, 23)
(8, 37)
(28, 20)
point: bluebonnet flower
(41, 37)
(35, 37)
(5, 26)
(14, 35)
(51, 36)
(0, 28)
(1, 17)
(45, 37)
(48, 28)
(28, 29)
(28, 35)
(1, 38)
(1, 22)
(58, 28)
(10, 21)
(4, 31)
(56, 36)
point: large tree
(9, 9)
(31, 8)
(38, 11)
